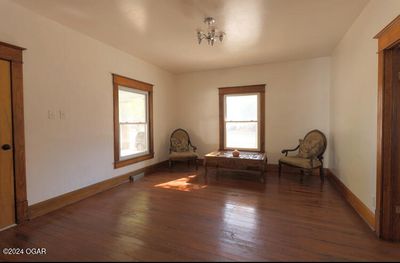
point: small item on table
(235, 153)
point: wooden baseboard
(362, 210)
(58, 202)
(289, 169)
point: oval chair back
(317, 142)
(179, 141)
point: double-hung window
(242, 118)
(132, 121)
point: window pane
(242, 135)
(132, 106)
(241, 107)
(133, 139)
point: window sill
(122, 163)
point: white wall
(297, 101)
(65, 70)
(353, 112)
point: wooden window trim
(14, 55)
(242, 90)
(119, 80)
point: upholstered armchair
(181, 148)
(309, 155)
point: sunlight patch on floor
(182, 184)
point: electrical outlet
(51, 115)
(62, 114)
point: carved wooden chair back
(316, 141)
(179, 141)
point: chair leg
(308, 172)
(280, 169)
(170, 163)
(195, 162)
(321, 174)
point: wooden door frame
(14, 55)
(384, 214)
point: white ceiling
(163, 32)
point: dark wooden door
(390, 201)
(7, 198)
(395, 191)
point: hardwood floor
(173, 216)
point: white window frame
(142, 92)
(258, 121)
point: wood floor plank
(173, 216)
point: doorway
(13, 198)
(388, 156)
(7, 199)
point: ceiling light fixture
(212, 34)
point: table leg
(205, 174)
(263, 177)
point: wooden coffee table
(248, 161)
